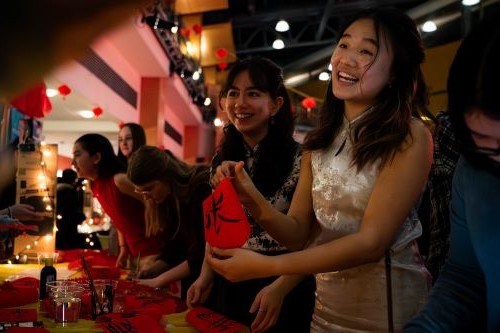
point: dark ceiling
(314, 25)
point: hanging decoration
(97, 111)
(221, 53)
(34, 102)
(64, 90)
(121, 124)
(309, 103)
(222, 66)
(197, 28)
(185, 32)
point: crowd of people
(334, 223)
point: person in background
(95, 160)
(260, 132)
(363, 172)
(465, 297)
(130, 138)
(173, 192)
(446, 153)
(69, 213)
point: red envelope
(226, 224)
(208, 321)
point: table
(176, 322)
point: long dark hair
(109, 164)
(148, 164)
(380, 133)
(276, 152)
(473, 85)
(138, 139)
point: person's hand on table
(121, 261)
(200, 289)
(268, 304)
(24, 212)
(154, 282)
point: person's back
(69, 213)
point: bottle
(47, 274)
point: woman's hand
(24, 212)
(242, 182)
(121, 261)
(239, 264)
(153, 283)
(200, 289)
(268, 303)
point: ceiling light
(429, 26)
(470, 2)
(51, 92)
(324, 76)
(207, 101)
(87, 114)
(330, 67)
(278, 44)
(282, 26)
(196, 76)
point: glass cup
(105, 294)
(66, 305)
(58, 287)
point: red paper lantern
(64, 90)
(162, 147)
(97, 111)
(121, 124)
(34, 102)
(221, 53)
(222, 66)
(197, 28)
(185, 32)
(309, 103)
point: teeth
(242, 115)
(343, 76)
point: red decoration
(64, 90)
(121, 124)
(97, 111)
(206, 320)
(226, 224)
(34, 102)
(221, 53)
(222, 66)
(185, 32)
(197, 28)
(162, 147)
(309, 103)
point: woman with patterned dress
(363, 171)
(260, 133)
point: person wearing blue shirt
(466, 296)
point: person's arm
(291, 230)
(457, 300)
(126, 187)
(396, 190)
(22, 212)
(269, 300)
(176, 273)
(121, 261)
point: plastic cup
(66, 306)
(105, 294)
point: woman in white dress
(362, 174)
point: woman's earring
(272, 120)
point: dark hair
(276, 151)
(138, 139)
(69, 176)
(472, 83)
(380, 132)
(109, 164)
(150, 163)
